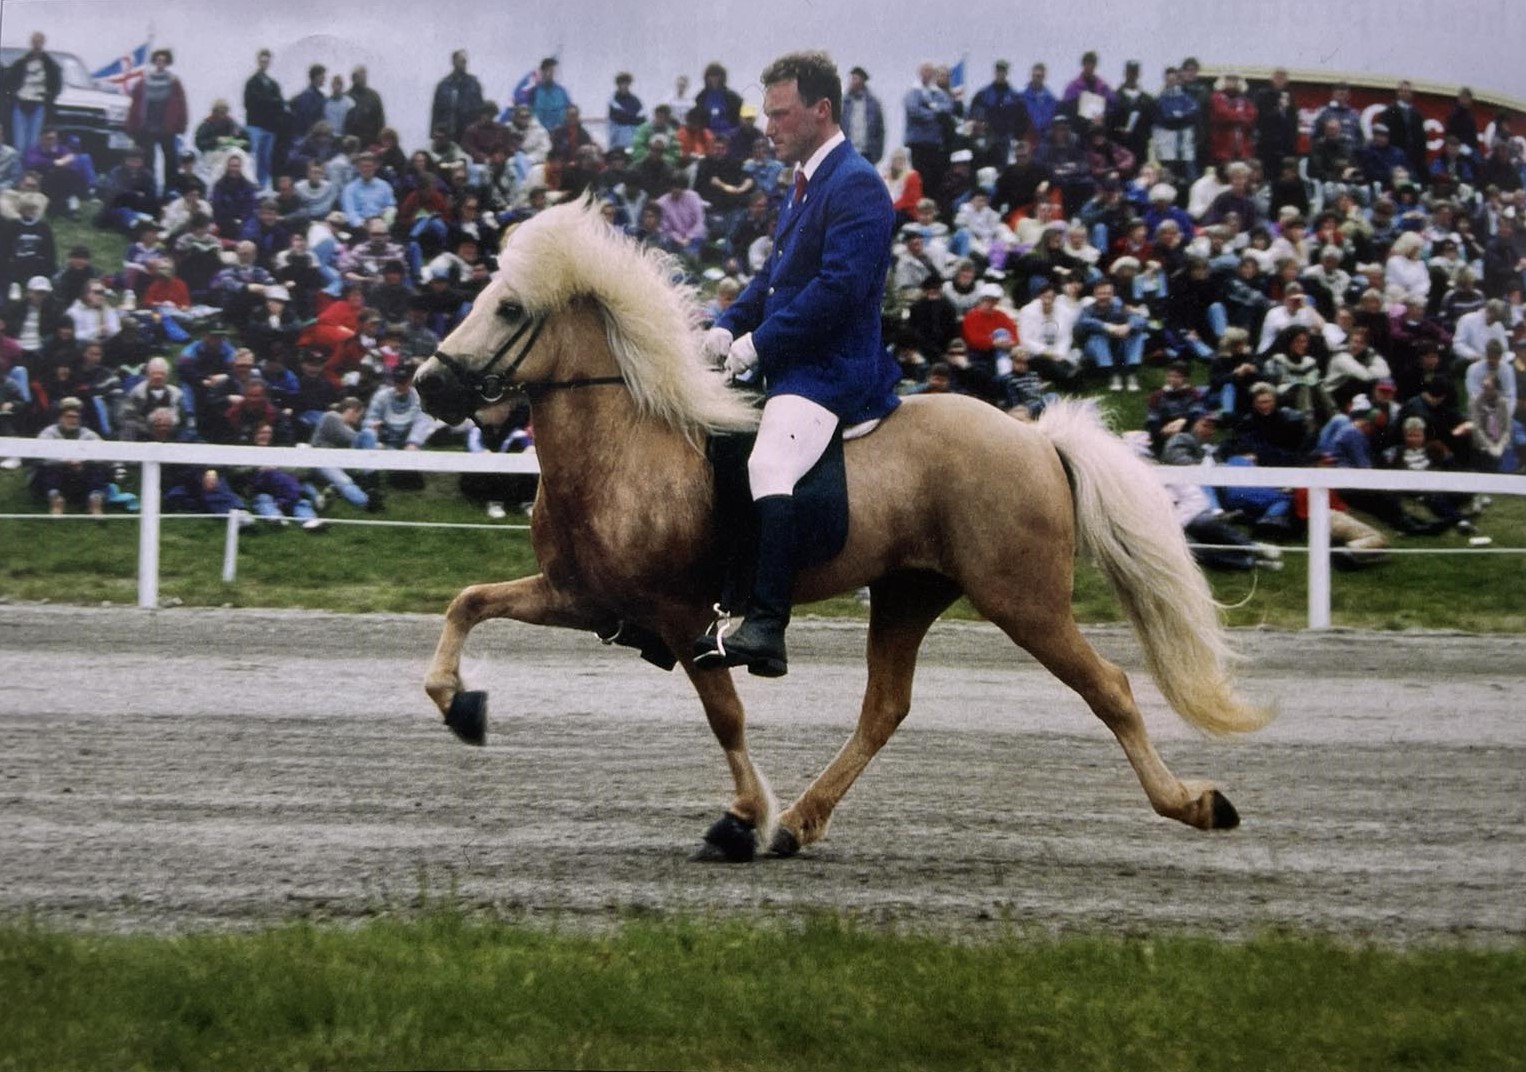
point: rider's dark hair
(813, 73)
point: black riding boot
(758, 643)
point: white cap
(39, 282)
(991, 290)
(279, 293)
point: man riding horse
(810, 323)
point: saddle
(821, 512)
(821, 507)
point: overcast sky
(407, 45)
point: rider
(810, 321)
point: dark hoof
(467, 717)
(785, 843)
(729, 841)
(1224, 815)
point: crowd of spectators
(1355, 300)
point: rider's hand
(741, 360)
(717, 345)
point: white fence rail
(152, 456)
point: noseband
(490, 387)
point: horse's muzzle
(442, 395)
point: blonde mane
(651, 317)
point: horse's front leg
(749, 821)
(530, 599)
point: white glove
(742, 360)
(716, 345)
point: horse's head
(477, 367)
(577, 304)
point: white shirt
(1474, 333)
(821, 154)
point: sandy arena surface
(186, 769)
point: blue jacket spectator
(457, 98)
(863, 119)
(367, 196)
(1039, 102)
(1001, 106)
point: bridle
(490, 387)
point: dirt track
(187, 768)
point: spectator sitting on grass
(1493, 438)
(312, 396)
(396, 415)
(1217, 543)
(1022, 392)
(276, 494)
(190, 489)
(1343, 442)
(1173, 407)
(1416, 454)
(1045, 326)
(151, 393)
(683, 218)
(340, 428)
(1269, 434)
(58, 481)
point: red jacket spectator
(176, 115)
(334, 332)
(167, 290)
(1231, 124)
(983, 321)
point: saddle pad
(821, 497)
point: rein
(490, 387)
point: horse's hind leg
(1055, 641)
(901, 609)
(529, 599)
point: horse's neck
(595, 448)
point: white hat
(1360, 404)
(39, 282)
(278, 293)
(1122, 263)
(961, 156)
(991, 290)
(1163, 191)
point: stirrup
(718, 628)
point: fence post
(148, 537)
(1319, 558)
(230, 546)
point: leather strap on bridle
(490, 387)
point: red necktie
(799, 188)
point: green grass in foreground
(383, 569)
(445, 992)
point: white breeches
(792, 436)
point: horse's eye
(510, 309)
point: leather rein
(490, 387)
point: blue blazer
(814, 309)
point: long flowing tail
(1125, 525)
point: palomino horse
(949, 496)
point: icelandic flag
(956, 78)
(520, 94)
(126, 69)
